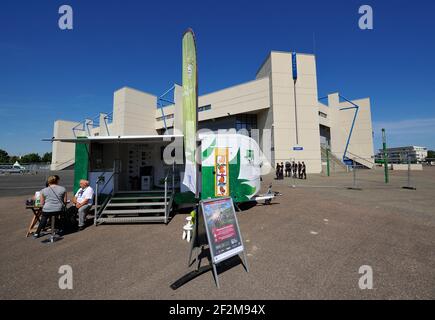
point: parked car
(9, 168)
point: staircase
(136, 206)
(62, 166)
(340, 165)
(366, 162)
(335, 163)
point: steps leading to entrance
(136, 198)
(132, 219)
(335, 164)
(132, 211)
(136, 206)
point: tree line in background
(27, 158)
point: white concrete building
(267, 102)
(400, 154)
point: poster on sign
(221, 169)
(222, 228)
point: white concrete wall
(168, 111)
(243, 98)
(265, 69)
(338, 139)
(284, 124)
(324, 121)
(265, 117)
(63, 153)
(361, 142)
(178, 107)
(404, 167)
(246, 97)
(133, 112)
(102, 129)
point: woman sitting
(53, 200)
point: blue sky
(48, 74)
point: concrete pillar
(104, 128)
(88, 127)
(133, 112)
(333, 99)
(178, 110)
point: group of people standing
(291, 169)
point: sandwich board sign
(222, 231)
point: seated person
(53, 200)
(83, 201)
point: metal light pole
(384, 147)
(295, 79)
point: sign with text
(222, 228)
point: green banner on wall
(190, 109)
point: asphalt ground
(309, 244)
(26, 184)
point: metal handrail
(108, 118)
(94, 122)
(166, 196)
(353, 106)
(160, 104)
(98, 212)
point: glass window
(247, 122)
(169, 116)
(204, 108)
(322, 114)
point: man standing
(83, 201)
(299, 169)
(287, 169)
(304, 171)
(294, 169)
(277, 171)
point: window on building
(204, 108)
(246, 121)
(169, 116)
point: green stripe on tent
(81, 164)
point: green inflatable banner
(190, 109)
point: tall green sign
(190, 110)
